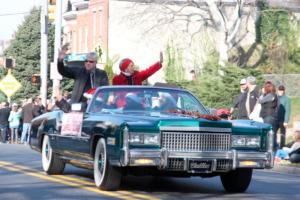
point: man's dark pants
(3, 129)
(279, 125)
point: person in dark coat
(283, 114)
(4, 115)
(86, 77)
(240, 101)
(269, 106)
(129, 76)
(28, 113)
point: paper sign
(72, 123)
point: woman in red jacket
(129, 76)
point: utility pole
(55, 76)
(44, 51)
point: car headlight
(245, 141)
(144, 138)
(253, 141)
(151, 139)
(136, 138)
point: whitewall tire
(52, 164)
(106, 176)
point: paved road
(22, 178)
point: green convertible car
(159, 131)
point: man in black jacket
(86, 77)
(240, 101)
(4, 114)
(29, 111)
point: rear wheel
(52, 164)
(237, 180)
(106, 176)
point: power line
(9, 14)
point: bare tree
(210, 14)
(226, 28)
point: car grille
(176, 164)
(224, 165)
(195, 141)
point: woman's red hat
(124, 64)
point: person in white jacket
(14, 122)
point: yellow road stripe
(88, 185)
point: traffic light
(9, 63)
(35, 79)
(51, 10)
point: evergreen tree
(174, 71)
(277, 30)
(215, 89)
(25, 48)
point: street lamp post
(55, 76)
(44, 51)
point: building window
(100, 23)
(94, 27)
(74, 41)
(69, 39)
(86, 39)
(80, 38)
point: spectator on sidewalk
(253, 94)
(4, 115)
(38, 106)
(14, 122)
(240, 101)
(193, 75)
(28, 113)
(67, 96)
(283, 114)
(291, 151)
(129, 76)
(269, 105)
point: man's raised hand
(62, 53)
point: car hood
(156, 120)
(246, 126)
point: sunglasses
(90, 61)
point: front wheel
(52, 164)
(237, 181)
(106, 176)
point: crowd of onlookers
(15, 120)
(272, 106)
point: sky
(9, 19)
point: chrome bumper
(161, 157)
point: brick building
(86, 25)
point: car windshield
(143, 99)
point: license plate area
(202, 166)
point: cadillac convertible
(158, 131)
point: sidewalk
(290, 168)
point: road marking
(83, 184)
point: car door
(74, 145)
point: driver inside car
(133, 102)
(166, 102)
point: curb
(287, 169)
